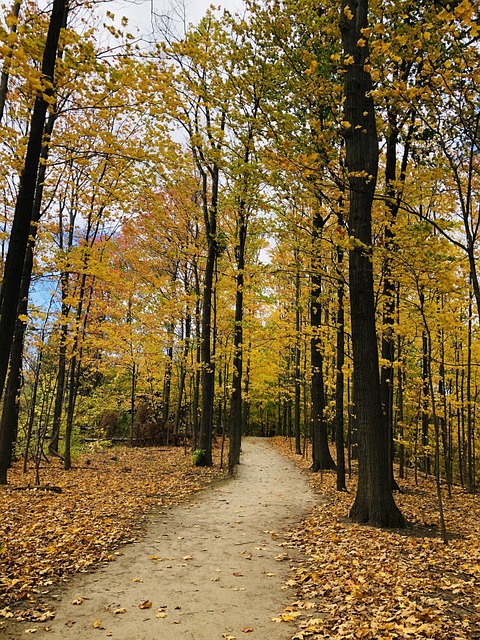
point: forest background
(191, 217)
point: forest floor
(356, 581)
(215, 567)
(236, 558)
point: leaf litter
(356, 581)
(46, 537)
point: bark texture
(374, 501)
(18, 241)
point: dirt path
(210, 569)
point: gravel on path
(212, 569)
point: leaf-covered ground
(46, 536)
(360, 582)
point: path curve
(210, 569)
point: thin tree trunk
(298, 355)
(321, 457)
(340, 382)
(207, 376)
(470, 447)
(235, 420)
(183, 372)
(246, 401)
(8, 59)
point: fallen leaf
(122, 610)
(77, 601)
(82, 533)
(237, 574)
(247, 630)
(97, 624)
(145, 605)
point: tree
(374, 501)
(18, 240)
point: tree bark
(18, 241)
(10, 410)
(8, 60)
(321, 457)
(235, 421)
(298, 353)
(339, 382)
(207, 379)
(374, 502)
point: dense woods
(265, 223)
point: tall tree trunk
(18, 241)
(53, 447)
(183, 372)
(298, 354)
(425, 395)
(208, 368)
(10, 410)
(8, 59)
(470, 434)
(167, 380)
(235, 420)
(62, 366)
(198, 360)
(321, 457)
(388, 338)
(393, 201)
(246, 402)
(374, 500)
(339, 382)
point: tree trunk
(298, 353)
(235, 420)
(10, 411)
(18, 241)
(246, 402)
(8, 60)
(388, 319)
(374, 500)
(207, 378)
(183, 372)
(470, 434)
(339, 382)
(321, 457)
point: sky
(140, 12)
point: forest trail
(210, 569)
